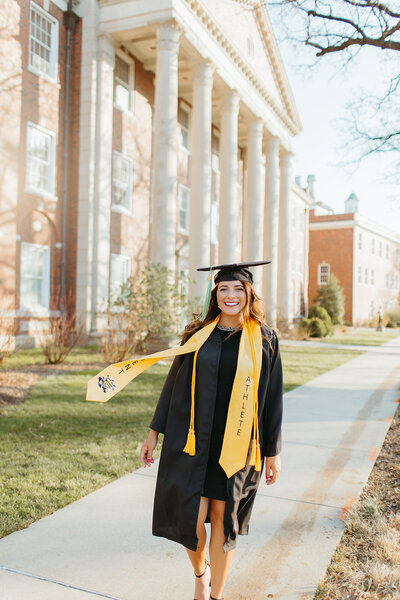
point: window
(294, 216)
(120, 272)
(43, 43)
(323, 274)
(40, 160)
(184, 121)
(366, 276)
(184, 203)
(124, 84)
(360, 241)
(359, 276)
(301, 221)
(34, 277)
(387, 250)
(214, 222)
(215, 174)
(380, 248)
(122, 182)
(373, 246)
(372, 277)
(387, 280)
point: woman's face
(231, 297)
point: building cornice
(357, 221)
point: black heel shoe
(203, 573)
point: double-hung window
(124, 84)
(40, 160)
(184, 208)
(122, 183)
(184, 122)
(119, 273)
(43, 43)
(34, 277)
(323, 274)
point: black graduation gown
(181, 476)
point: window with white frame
(184, 122)
(40, 160)
(373, 246)
(372, 277)
(215, 175)
(387, 250)
(43, 42)
(323, 274)
(360, 241)
(34, 277)
(387, 280)
(294, 217)
(359, 276)
(214, 222)
(120, 271)
(184, 204)
(366, 276)
(122, 182)
(380, 248)
(124, 83)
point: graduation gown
(181, 476)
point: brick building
(135, 130)
(363, 255)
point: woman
(210, 478)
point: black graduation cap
(234, 271)
(231, 272)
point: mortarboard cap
(231, 272)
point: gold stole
(242, 417)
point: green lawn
(363, 337)
(56, 447)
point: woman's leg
(220, 560)
(198, 558)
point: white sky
(321, 95)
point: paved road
(101, 546)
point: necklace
(222, 328)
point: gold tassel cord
(255, 457)
(190, 447)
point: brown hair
(253, 309)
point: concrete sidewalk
(101, 546)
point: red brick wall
(335, 247)
(33, 98)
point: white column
(228, 233)
(200, 193)
(271, 229)
(87, 164)
(284, 295)
(254, 208)
(163, 229)
(103, 183)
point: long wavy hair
(253, 309)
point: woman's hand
(272, 468)
(146, 451)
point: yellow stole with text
(242, 419)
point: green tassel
(207, 298)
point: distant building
(175, 145)
(363, 255)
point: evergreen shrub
(319, 312)
(317, 328)
(331, 297)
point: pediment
(248, 28)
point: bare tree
(344, 28)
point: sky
(321, 95)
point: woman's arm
(146, 451)
(273, 407)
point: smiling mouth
(231, 303)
